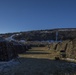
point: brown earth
(40, 61)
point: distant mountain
(44, 35)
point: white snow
(70, 59)
(22, 41)
(12, 39)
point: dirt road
(38, 61)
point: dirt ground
(40, 61)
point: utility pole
(56, 36)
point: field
(40, 61)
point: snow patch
(7, 66)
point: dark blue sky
(25, 15)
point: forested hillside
(43, 35)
